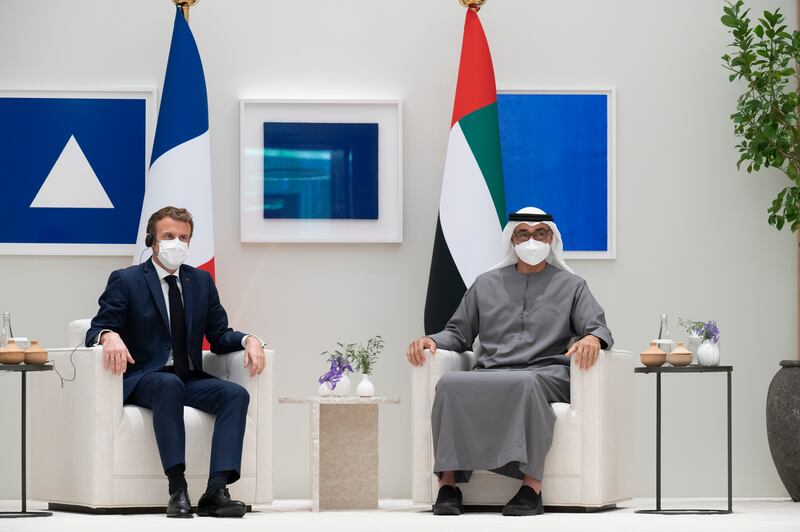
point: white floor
(750, 515)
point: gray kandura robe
(498, 417)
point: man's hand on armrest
(115, 354)
(586, 351)
(254, 357)
(416, 351)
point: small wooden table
(344, 450)
(23, 370)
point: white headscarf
(556, 257)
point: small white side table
(344, 450)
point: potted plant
(366, 356)
(764, 59)
(708, 351)
(335, 381)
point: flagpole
(185, 5)
(474, 5)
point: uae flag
(472, 210)
(180, 165)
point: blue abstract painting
(555, 151)
(320, 171)
(72, 170)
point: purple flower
(338, 366)
(332, 376)
(709, 331)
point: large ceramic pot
(783, 425)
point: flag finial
(185, 5)
(474, 5)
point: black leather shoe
(525, 502)
(218, 503)
(179, 505)
(448, 501)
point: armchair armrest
(424, 380)
(443, 361)
(231, 368)
(79, 419)
(603, 399)
(589, 388)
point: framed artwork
(558, 150)
(321, 171)
(72, 169)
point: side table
(687, 369)
(344, 450)
(23, 370)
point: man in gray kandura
(498, 417)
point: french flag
(180, 165)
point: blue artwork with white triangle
(72, 170)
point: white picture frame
(388, 228)
(149, 95)
(611, 184)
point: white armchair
(92, 453)
(590, 463)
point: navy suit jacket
(133, 305)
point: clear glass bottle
(664, 338)
(6, 331)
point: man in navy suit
(151, 324)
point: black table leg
(730, 458)
(658, 441)
(23, 474)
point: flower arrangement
(707, 330)
(366, 356)
(340, 361)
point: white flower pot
(365, 387)
(342, 387)
(708, 354)
(325, 389)
(692, 343)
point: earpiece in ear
(148, 240)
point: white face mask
(532, 252)
(172, 253)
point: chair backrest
(76, 332)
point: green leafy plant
(767, 118)
(344, 355)
(366, 356)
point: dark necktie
(177, 324)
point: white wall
(692, 234)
